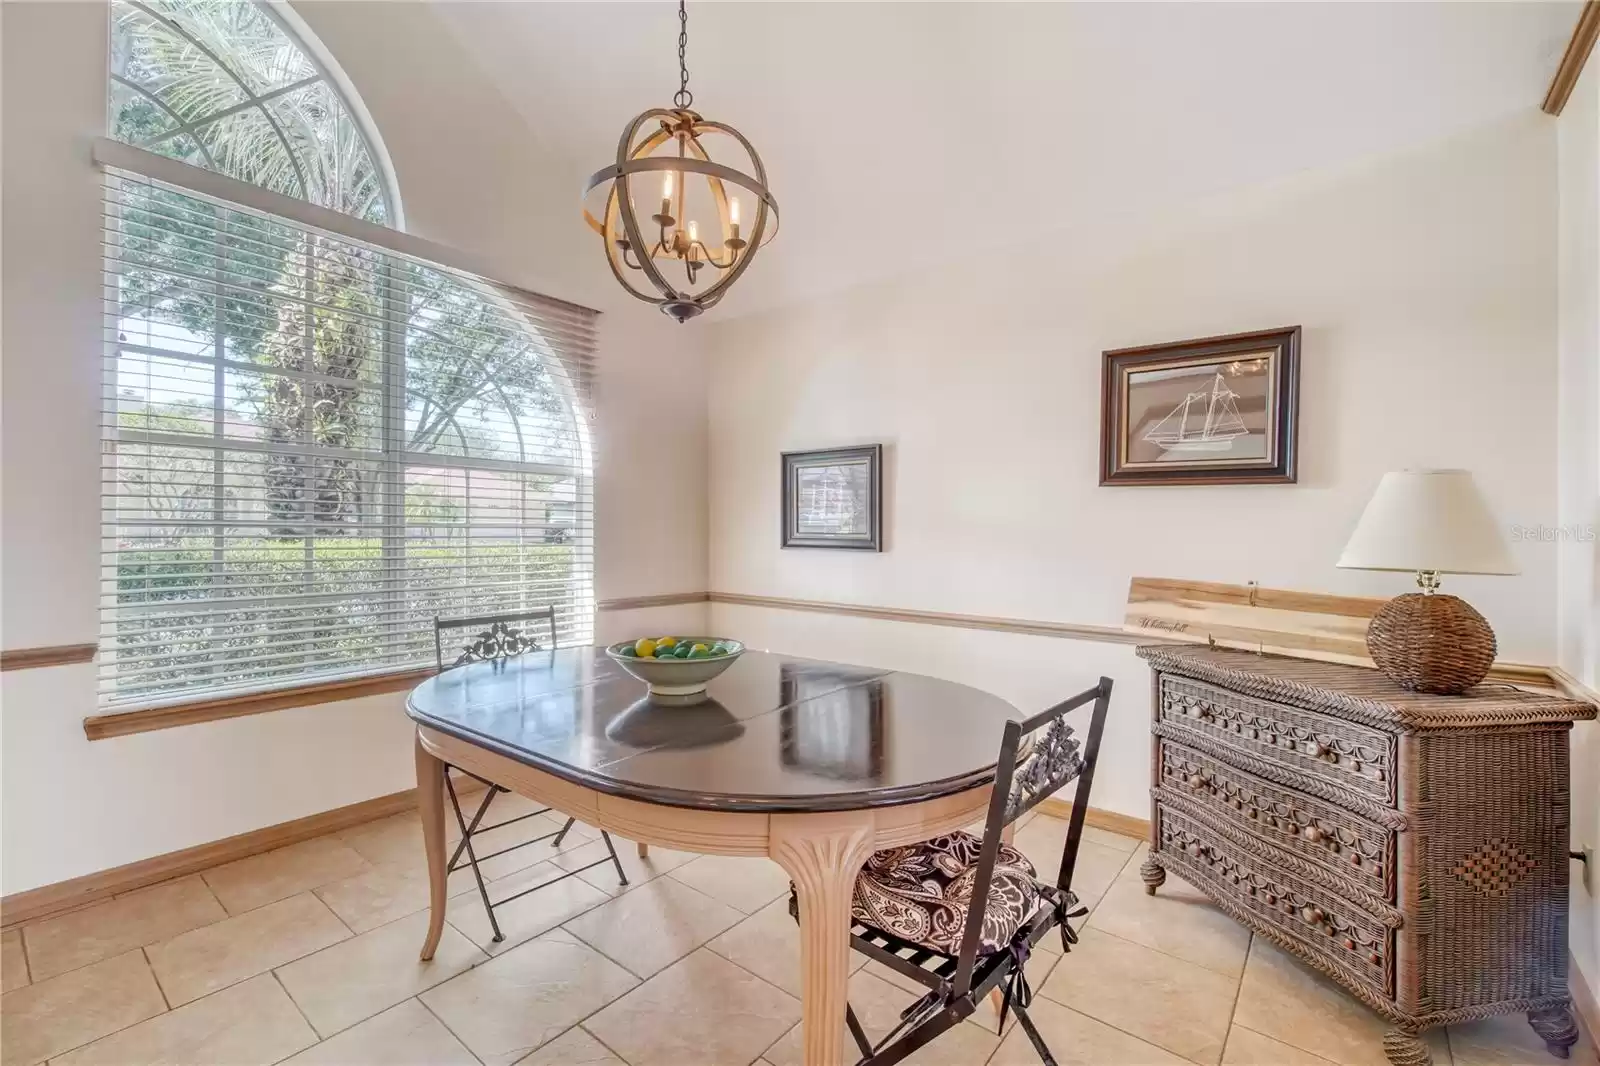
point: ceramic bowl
(676, 677)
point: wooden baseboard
(1587, 1008)
(1112, 822)
(64, 896)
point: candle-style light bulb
(694, 232)
(733, 211)
(666, 185)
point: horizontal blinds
(314, 445)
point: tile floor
(307, 955)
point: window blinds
(314, 445)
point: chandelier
(670, 260)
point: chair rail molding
(1579, 47)
(57, 655)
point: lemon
(666, 642)
(700, 649)
(645, 648)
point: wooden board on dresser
(1412, 847)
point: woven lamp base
(1431, 643)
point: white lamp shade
(1428, 520)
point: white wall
(1426, 286)
(471, 175)
(1579, 467)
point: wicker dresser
(1412, 847)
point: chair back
(491, 637)
(1055, 760)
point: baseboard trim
(1587, 1008)
(49, 900)
(1112, 822)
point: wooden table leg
(823, 853)
(430, 806)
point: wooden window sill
(102, 726)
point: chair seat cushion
(921, 893)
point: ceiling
(898, 134)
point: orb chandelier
(672, 260)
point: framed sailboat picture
(1216, 411)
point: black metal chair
(959, 913)
(494, 640)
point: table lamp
(1429, 522)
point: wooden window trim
(104, 726)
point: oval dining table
(813, 764)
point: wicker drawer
(1339, 935)
(1348, 846)
(1341, 754)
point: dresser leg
(1556, 1027)
(1404, 1048)
(1152, 874)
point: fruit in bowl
(676, 666)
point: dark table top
(777, 733)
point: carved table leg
(823, 853)
(1403, 1048)
(1556, 1027)
(430, 806)
(1153, 875)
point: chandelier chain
(683, 97)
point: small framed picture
(1217, 411)
(833, 498)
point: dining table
(814, 764)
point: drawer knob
(1312, 915)
(1312, 834)
(1197, 780)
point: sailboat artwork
(1206, 421)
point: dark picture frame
(833, 498)
(1212, 411)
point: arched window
(315, 444)
(223, 85)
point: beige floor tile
(1178, 920)
(245, 884)
(1246, 1047)
(1157, 998)
(404, 1035)
(745, 884)
(701, 1011)
(1043, 840)
(385, 892)
(397, 838)
(50, 1017)
(1114, 841)
(650, 929)
(1282, 998)
(1078, 1040)
(575, 1047)
(1040, 967)
(135, 920)
(1509, 1041)
(768, 945)
(359, 977)
(878, 1005)
(13, 961)
(215, 956)
(513, 1004)
(525, 918)
(639, 871)
(249, 1024)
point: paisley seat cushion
(921, 893)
